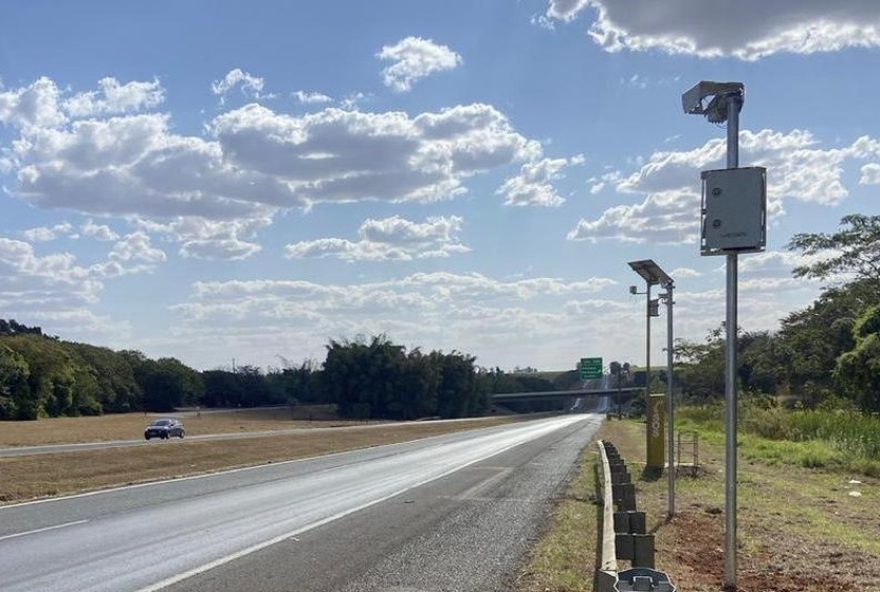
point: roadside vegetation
(842, 439)
(807, 529)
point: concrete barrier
(624, 535)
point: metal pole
(734, 102)
(670, 406)
(647, 366)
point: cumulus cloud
(749, 30)
(565, 10)
(534, 184)
(113, 97)
(250, 86)
(252, 162)
(870, 174)
(37, 104)
(310, 98)
(798, 168)
(414, 58)
(683, 273)
(56, 290)
(100, 232)
(337, 155)
(393, 238)
(46, 233)
(210, 239)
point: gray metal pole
(734, 102)
(670, 406)
(647, 364)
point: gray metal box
(734, 212)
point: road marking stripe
(35, 531)
(260, 546)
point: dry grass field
(128, 426)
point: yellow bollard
(656, 430)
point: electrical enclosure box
(734, 212)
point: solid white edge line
(262, 465)
(259, 546)
(36, 530)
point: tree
(811, 340)
(14, 389)
(167, 383)
(855, 249)
(859, 369)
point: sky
(247, 180)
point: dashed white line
(35, 531)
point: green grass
(565, 557)
(834, 439)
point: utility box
(734, 212)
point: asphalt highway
(452, 512)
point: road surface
(453, 512)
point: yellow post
(656, 431)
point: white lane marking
(259, 546)
(248, 468)
(35, 531)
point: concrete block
(623, 545)
(621, 522)
(643, 550)
(637, 522)
(624, 495)
(620, 478)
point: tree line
(44, 376)
(827, 353)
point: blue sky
(215, 180)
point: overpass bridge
(627, 394)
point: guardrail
(624, 533)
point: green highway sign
(591, 368)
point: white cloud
(469, 312)
(33, 105)
(250, 85)
(210, 239)
(56, 291)
(749, 30)
(253, 163)
(45, 233)
(683, 273)
(114, 97)
(353, 100)
(534, 184)
(136, 247)
(414, 58)
(565, 10)
(393, 238)
(100, 232)
(797, 169)
(870, 174)
(310, 98)
(336, 155)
